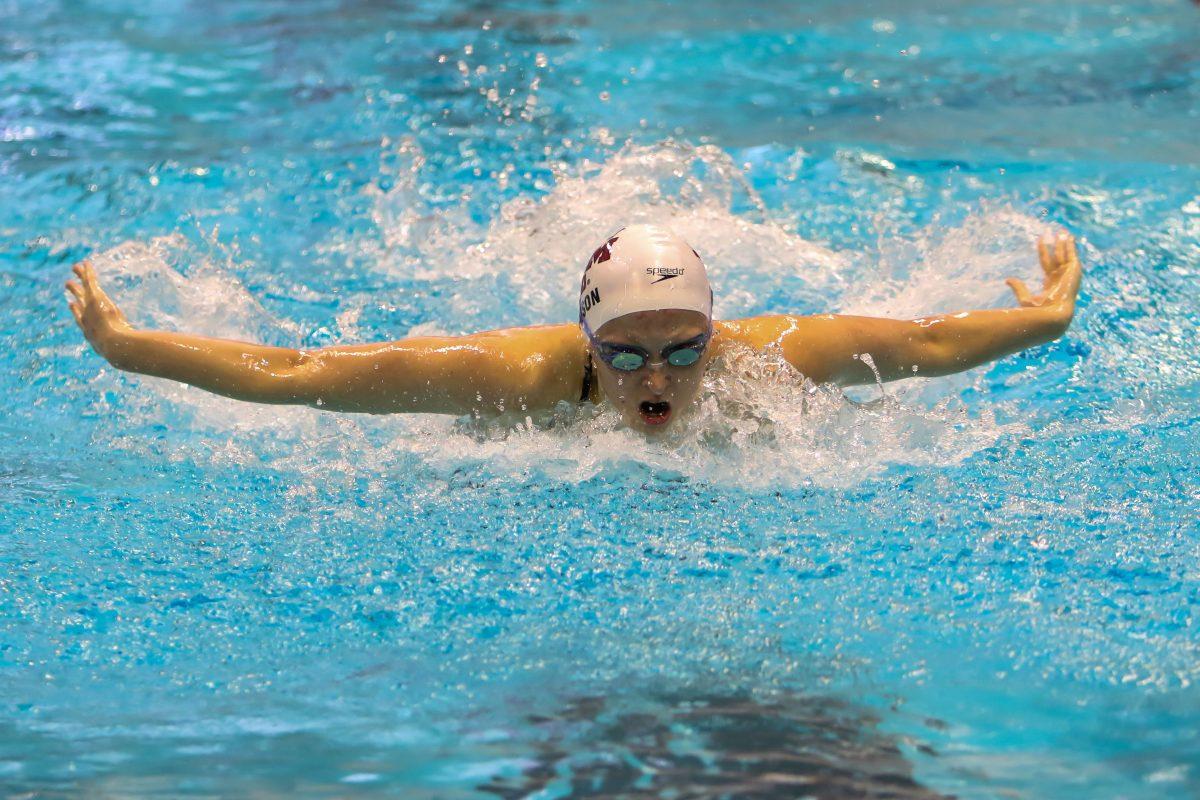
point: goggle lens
(683, 358)
(627, 362)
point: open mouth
(655, 413)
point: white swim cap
(642, 268)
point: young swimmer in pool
(643, 342)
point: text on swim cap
(664, 273)
(588, 300)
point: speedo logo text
(664, 273)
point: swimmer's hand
(97, 315)
(1062, 271)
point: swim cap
(642, 268)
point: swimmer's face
(652, 396)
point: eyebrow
(638, 348)
(606, 340)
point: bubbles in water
(149, 281)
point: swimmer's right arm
(510, 370)
(851, 350)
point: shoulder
(539, 345)
(803, 341)
(533, 337)
(550, 358)
(780, 330)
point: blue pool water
(981, 586)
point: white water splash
(757, 423)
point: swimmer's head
(642, 268)
(645, 305)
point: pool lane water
(979, 586)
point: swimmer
(644, 339)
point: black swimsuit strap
(587, 381)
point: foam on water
(522, 267)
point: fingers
(1067, 286)
(92, 293)
(1069, 254)
(85, 272)
(87, 276)
(1064, 246)
(1055, 249)
(1045, 252)
(1024, 297)
(90, 306)
(1060, 263)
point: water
(983, 585)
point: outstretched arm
(510, 370)
(831, 348)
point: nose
(656, 378)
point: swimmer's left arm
(832, 348)
(512, 370)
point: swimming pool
(984, 585)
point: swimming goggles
(628, 358)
